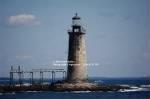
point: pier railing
(20, 73)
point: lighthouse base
(85, 86)
(64, 86)
(80, 86)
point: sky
(33, 34)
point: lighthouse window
(76, 30)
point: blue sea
(140, 90)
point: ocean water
(140, 90)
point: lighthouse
(77, 67)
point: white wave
(145, 86)
(17, 85)
(99, 81)
(134, 89)
(12, 93)
(81, 91)
(125, 85)
(26, 84)
(32, 91)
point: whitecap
(123, 85)
(145, 86)
(13, 93)
(32, 91)
(26, 84)
(134, 89)
(81, 91)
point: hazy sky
(33, 34)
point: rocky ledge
(87, 87)
(64, 86)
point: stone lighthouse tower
(77, 68)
